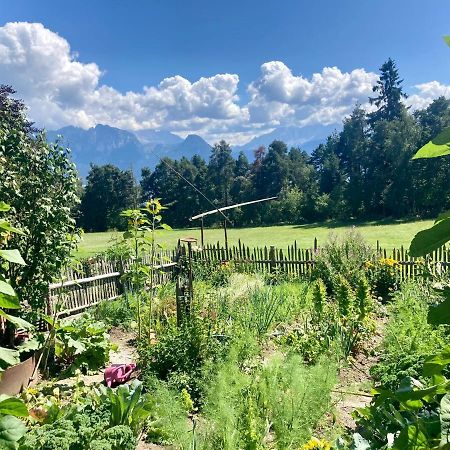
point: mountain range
(103, 144)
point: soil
(355, 381)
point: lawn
(389, 234)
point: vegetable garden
(349, 354)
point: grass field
(390, 234)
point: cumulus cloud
(426, 93)
(324, 98)
(61, 90)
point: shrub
(408, 338)
(180, 355)
(215, 273)
(81, 344)
(117, 313)
(344, 257)
(384, 277)
(40, 183)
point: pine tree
(390, 94)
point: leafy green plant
(142, 224)
(86, 427)
(117, 313)
(11, 427)
(41, 185)
(180, 355)
(81, 344)
(128, 405)
(384, 276)
(8, 297)
(408, 338)
(344, 257)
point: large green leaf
(11, 430)
(436, 363)
(445, 420)
(4, 207)
(426, 241)
(9, 357)
(5, 226)
(12, 256)
(439, 146)
(6, 288)
(17, 321)
(447, 40)
(13, 406)
(411, 438)
(9, 302)
(440, 314)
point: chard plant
(141, 234)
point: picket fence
(97, 279)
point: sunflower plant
(141, 234)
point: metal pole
(226, 236)
(203, 243)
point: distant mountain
(157, 137)
(108, 145)
(307, 138)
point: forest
(363, 172)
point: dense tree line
(363, 172)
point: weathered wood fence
(297, 261)
(96, 279)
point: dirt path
(355, 381)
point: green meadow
(390, 234)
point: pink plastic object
(118, 374)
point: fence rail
(97, 280)
(297, 261)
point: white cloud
(427, 92)
(325, 98)
(60, 90)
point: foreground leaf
(13, 406)
(445, 420)
(6, 288)
(9, 357)
(440, 314)
(439, 146)
(12, 256)
(426, 241)
(11, 430)
(17, 321)
(9, 302)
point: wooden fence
(297, 261)
(95, 280)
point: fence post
(272, 261)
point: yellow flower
(368, 264)
(388, 262)
(316, 444)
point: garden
(195, 352)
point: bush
(408, 338)
(116, 313)
(343, 258)
(81, 344)
(180, 355)
(41, 184)
(216, 273)
(383, 274)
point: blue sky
(139, 43)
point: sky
(222, 69)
